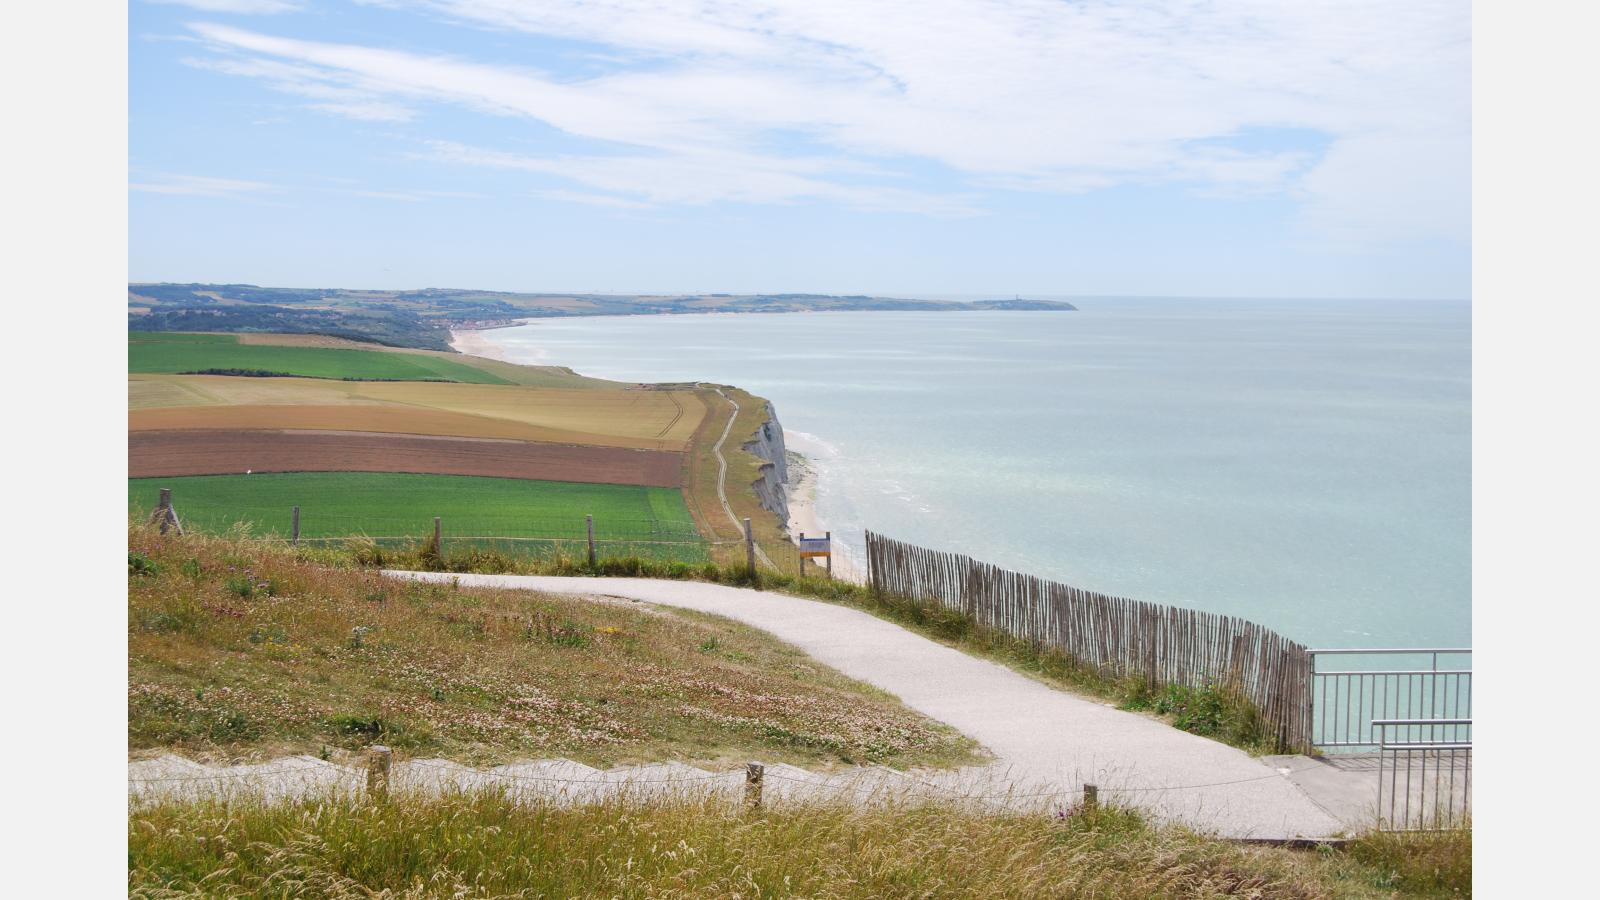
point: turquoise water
(1304, 464)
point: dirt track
(219, 452)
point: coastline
(473, 343)
(800, 490)
(801, 494)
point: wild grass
(485, 845)
(1212, 711)
(1424, 864)
(241, 649)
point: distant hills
(424, 318)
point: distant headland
(425, 318)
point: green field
(170, 353)
(178, 337)
(507, 513)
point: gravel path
(1043, 739)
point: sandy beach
(801, 496)
(473, 343)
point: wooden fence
(1163, 644)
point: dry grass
(1428, 864)
(616, 417)
(238, 650)
(700, 479)
(484, 845)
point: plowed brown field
(222, 452)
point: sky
(918, 148)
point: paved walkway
(1044, 740)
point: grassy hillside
(239, 651)
(151, 352)
(483, 845)
(701, 476)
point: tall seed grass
(484, 845)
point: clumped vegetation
(484, 845)
(240, 649)
(1424, 864)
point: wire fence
(533, 536)
(308, 776)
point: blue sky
(1031, 147)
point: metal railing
(1424, 773)
(1390, 684)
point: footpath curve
(722, 475)
(1040, 737)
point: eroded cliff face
(767, 444)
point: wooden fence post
(802, 555)
(378, 759)
(589, 521)
(829, 536)
(1091, 798)
(754, 774)
(749, 549)
(165, 516)
(294, 526)
(438, 536)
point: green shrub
(140, 565)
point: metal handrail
(1399, 672)
(1395, 650)
(1435, 800)
(1347, 704)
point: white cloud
(708, 98)
(200, 186)
(242, 7)
(698, 178)
(331, 93)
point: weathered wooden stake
(1236, 666)
(378, 759)
(589, 520)
(1091, 797)
(802, 556)
(438, 536)
(294, 526)
(749, 549)
(165, 515)
(754, 774)
(829, 536)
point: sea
(1302, 463)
